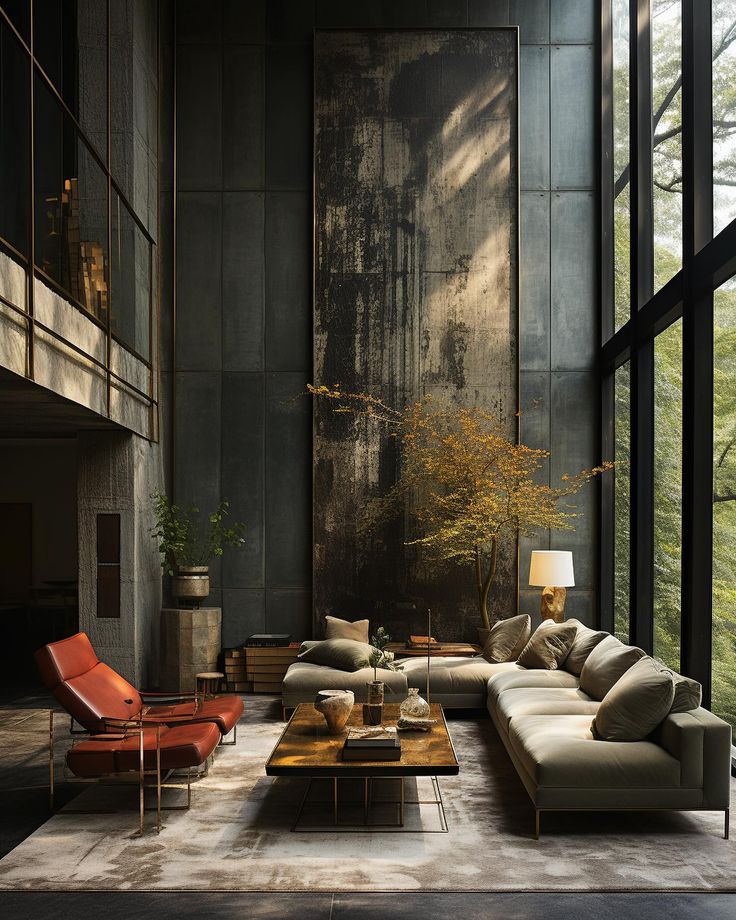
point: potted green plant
(187, 544)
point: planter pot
(191, 582)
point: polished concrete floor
(23, 807)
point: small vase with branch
(377, 658)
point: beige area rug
(237, 836)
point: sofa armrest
(702, 743)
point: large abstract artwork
(416, 291)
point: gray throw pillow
(335, 628)
(586, 640)
(636, 704)
(507, 638)
(341, 654)
(688, 692)
(608, 661)
(548, 646)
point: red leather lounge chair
(90, 691)
(126, 733)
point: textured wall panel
(415, 286)
(242, 281)
(534, 315)
(534, 114)
(572, 93)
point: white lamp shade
(551, 567)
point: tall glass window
(14, 141)
(668, 493)
(71, 207)
(621, 163)
(724, 113)
(622, 501)
(724, 503)
(666, 24)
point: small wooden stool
(209, 683)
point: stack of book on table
(372, 744)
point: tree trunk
(484, 584)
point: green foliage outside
(667, 213)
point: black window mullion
(642, 352)
(697, 470)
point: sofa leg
(537, 813)
(727, 816)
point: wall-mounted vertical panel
(534, 116)
(488, 13)
(243, 113)
(572, 89)
(416, 263)
(242, 281)
(572, 21)
(288, 281)
(288, 481)
(574, 447)
(199, 281)
(573, 280)
(534, 294)
(532, 18)
(288, 116)
(243, 473)
(199, 117)
(197, 444)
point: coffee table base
(367, 826)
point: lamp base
(553, 604)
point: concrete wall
(243, 343)
(116, 474)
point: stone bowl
(335, 706)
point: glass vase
(414, 706)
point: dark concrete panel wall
(243, 343)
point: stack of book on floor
(267, 659)
(235, 672)
(372, 744)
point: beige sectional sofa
(545, 719)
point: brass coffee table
(305, 749)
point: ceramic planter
(191, 582)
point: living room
(366, 430)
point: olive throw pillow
(586, 640)
(636, 703)
(341, 654)
(507, 638)
(608, 662)
(548, 646)
(688, 692)
(335, 628)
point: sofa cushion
(543, 701)
(560, 751)
(454, 676)
(521, 677)
(585, 641)
(507, 638)
(303, 681)
(341, 654)
(335, 628)
(548, 646)
(636, 703)
(608, 661)
(688, 692)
